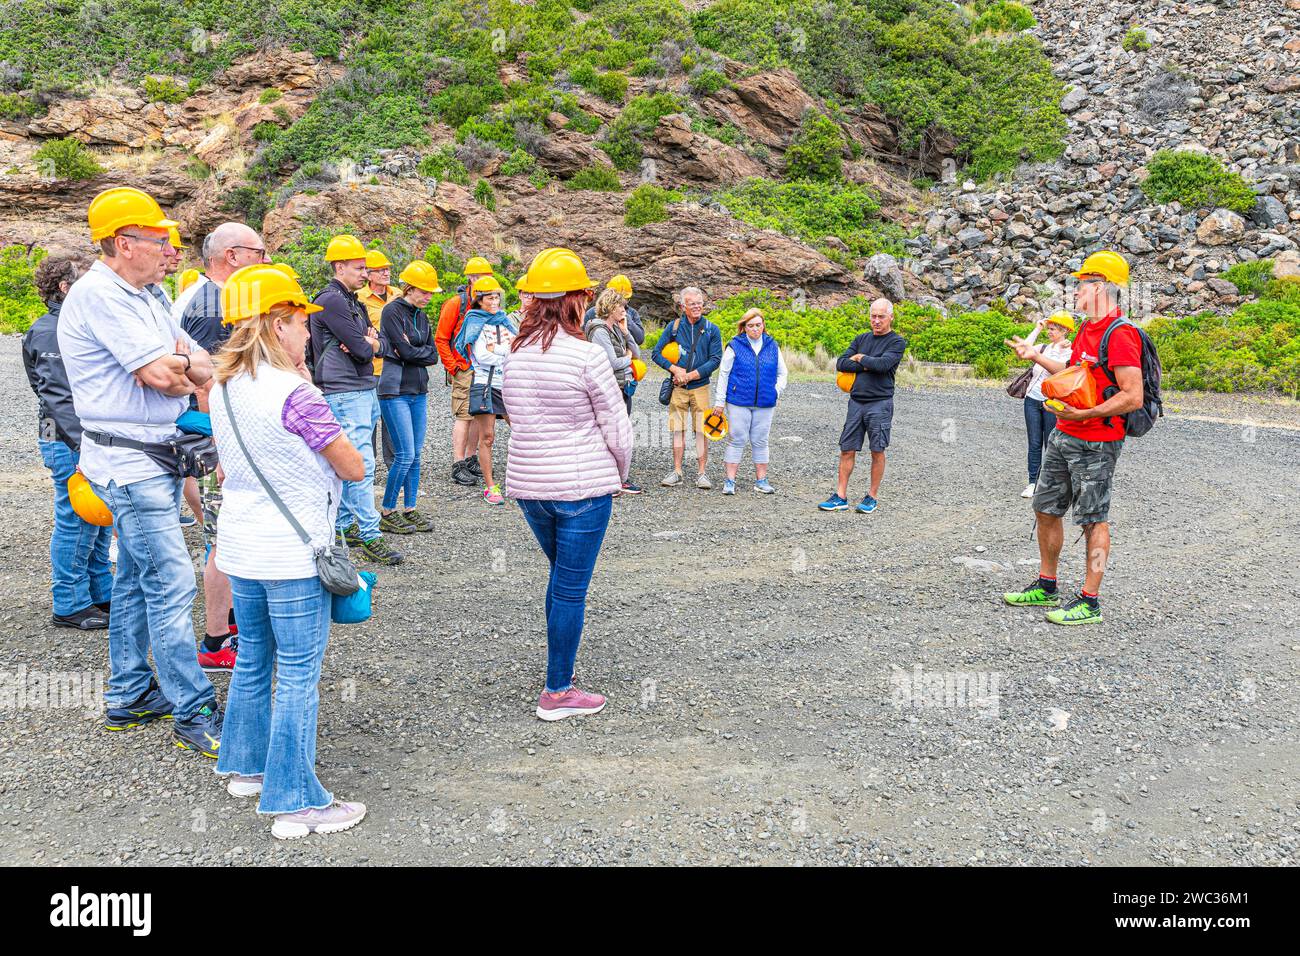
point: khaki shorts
(460, 394)
(683, 401)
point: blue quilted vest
(752, 382)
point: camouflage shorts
(1076, 472)
(210, 502)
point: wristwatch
(188, 363)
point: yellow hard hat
(376, 260)
(420, 275)
(845, 381)
(286, 269)
(672, 352)
(554, 272)
(254, 290)
(638, 370)
(620, 284)
(1110, 265)
(1063, 319)
(174, 236)
(485, 285)
(478, 266)
(715, 425)
(344, 248)
(88, 505)
(187, 279)
(123, 206)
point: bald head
(882, 316)
(231, 246)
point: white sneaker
(702, 482)
(1029, 491)
(672, 479)
(332, 819)
(240, 786)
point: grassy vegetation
(1197, 181)
(20, 305)
(648, 203)
(66, 159)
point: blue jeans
(358, 412)
(82, 575)
(570, 533)
(283, 625)
(1039, 422)
(405, 417)
(153, 598)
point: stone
(972, 238)
(1269, 212)
(1018, 230)
(1220, 228)
(882, 270)
(1135, 242)
(1084, 152)
(681, 154)
(1221, 288)
(968, 204)
(1283, 84)
(1072, 100)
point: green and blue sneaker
(1033, 596)
(1078, 611)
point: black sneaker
(202, 732)
(417, 521)
(395, 523)
(152, 705)
(352, 535)
(378, 551)
(461, 474)
(474, 467)
(87, 619)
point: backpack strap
(1103, 355)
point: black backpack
(1141, 420)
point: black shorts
(867, 419)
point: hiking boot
(87, 619)
(1077, 611)
(395, 523)
(763, 487)
(352, 535)
(462, 475)
(202, 732)
(702, 482)
(336, 817)
(378, 551)
(569, 703)
(672, 479)
(866, 505)
(728, 486)
(1033, 596)
(834, 503)
(222, 660)
(417, 521)
(475, 469)
(152, 705)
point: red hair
(543, 317)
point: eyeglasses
(261, 251)
(160, 241)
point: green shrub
(1286, 289)
(623, 140)
(269, 96)
(1136, 39)
(484, 196)
(813, 211)
(66, 159)
(648, 203)
(250, 200)
(15, 106)
(519, 163)
(265, 132)
(163, 91)
(815, 152)
(539, 178)
(1003, 17)
(1250, 278)
(496, 131)
(443, 165)
(20, 304)
(1257, 348)
(599, 177)
(1196, 181)
(705, 82)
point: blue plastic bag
(355, 607)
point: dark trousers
(1039, 422)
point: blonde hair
(253, 342)
(608, 301)
(744, 320)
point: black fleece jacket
(406, 330)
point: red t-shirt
(1125, 349)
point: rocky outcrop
(684, 157)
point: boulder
(1286, 265)
(1220, 228)
(882, 270)
(684, 156)
(768, 106)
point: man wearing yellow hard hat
(465, 467)
(1079, 462)
(344, 346)
(132, 369)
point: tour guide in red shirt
(1079, 461)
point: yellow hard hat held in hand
(845, 381)
(715, 425)
(672, 352)
(638, 370)
(89, 507)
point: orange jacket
(449, 321)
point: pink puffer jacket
(570, 437)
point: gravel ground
(758, 656)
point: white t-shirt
(186, 297)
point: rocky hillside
(782, 145)
(1216, 78)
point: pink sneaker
(493, 495)
(570, 703)
(337, 816)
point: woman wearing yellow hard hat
(276, 432)
(404, 394)
(377, 293)
(607, 325)
(1039, 420)
(570, 449)
(751, 378)
(484, 340)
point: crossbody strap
(266, 486)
